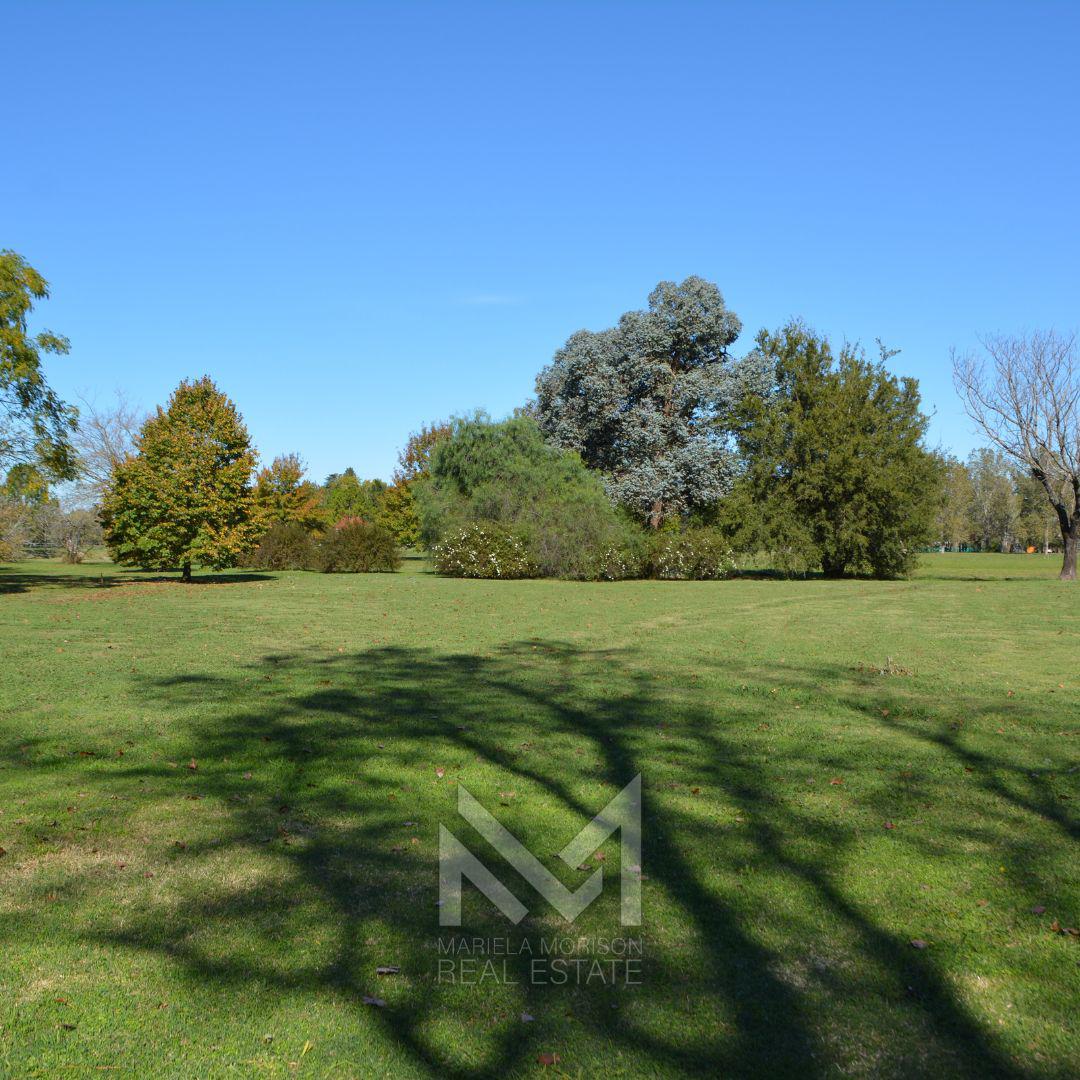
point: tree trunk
(1072, 541)
(656, 515)
(185, 574)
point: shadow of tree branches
(324, 764)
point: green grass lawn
(220, 809)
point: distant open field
(220, 808)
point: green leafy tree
(836, 469)
(397, 512)
(283, 495)
(995, 503)
(953, 523)
(185, 497)
(35, 425)
(647, 402)
(397, 509)
(346, 495)
(414, 460)
(26, 484)
(1037, 524)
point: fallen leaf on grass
(547, 1059)
(247, 776)
(307, 1047)
(917, 943)
(1038, 909)
(387, 969)
(440, 772)
(193, 765)
(695, 791)
(889, 825)
(377, 1002)
(836, 780)
(68, 1027)
(1070, 931)
(526, 1018)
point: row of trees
(813, 455)
(990, 503)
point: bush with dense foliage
(357, 547)
(506, 473)
(286, 545)
(484, 550)
(699, 554)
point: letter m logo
(456, 862)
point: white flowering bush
(693, 555)
(484, 551)
(618, 562)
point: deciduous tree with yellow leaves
(185, 498)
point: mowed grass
(220, 809)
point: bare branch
(1024, 395)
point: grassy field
(220, 809)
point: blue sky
(357, 218)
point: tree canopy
(282, 495)
(35, 425)
(648, 402)
(185, 497)
(836, 473)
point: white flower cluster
(482, 551)
(693, 557)
(617, 564)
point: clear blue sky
(360, 217)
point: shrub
(506, 474)
(357, 547)
(693, 555)
(484, 551)
(284, 546)
(619, 562)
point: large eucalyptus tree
(646, 402)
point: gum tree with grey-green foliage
(1026, 401)
(35, 425)
(647, 403)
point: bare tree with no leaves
(105, 437)
(1026, 400)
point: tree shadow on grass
(17, 580)
(326, 767)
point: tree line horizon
(649, 449)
